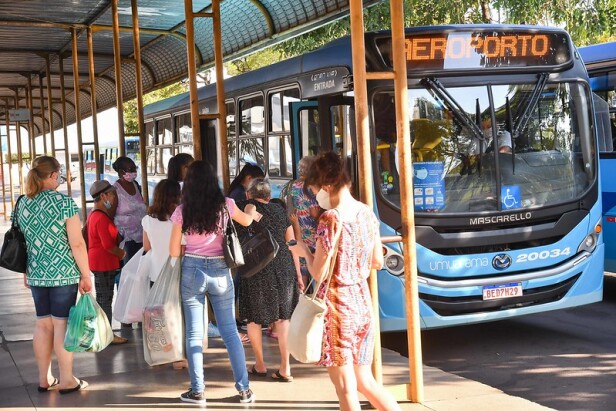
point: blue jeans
(211, 276)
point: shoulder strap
(14, 222)
(331, 261)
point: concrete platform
(120, 379)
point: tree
(131, 124)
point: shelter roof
(35, 30)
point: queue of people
(189, 223)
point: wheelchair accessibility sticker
(510, 197)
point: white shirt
(159, 234)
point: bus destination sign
(476, 50)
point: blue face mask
(107, 204)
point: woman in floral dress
(348, 339)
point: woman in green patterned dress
(57, 268)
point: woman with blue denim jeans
(202, 218)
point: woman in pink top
(202, 218)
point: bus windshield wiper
(441, 92)
(523, 119)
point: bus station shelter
(65, 60)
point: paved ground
(120, 379)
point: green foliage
(25, 157)
(130, 107)
(255, 61)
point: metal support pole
(415, 389)
(99, 170)
(363, 155)
(82, 183)
(31, 121)
(6, 214)
(220, 96)
(67, 154)
(117, 64)
(8, 147)
(192, 81)
(19, 156)
(50, 107)
(42, 113)
(139, 92)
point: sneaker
(212, 331)
(247, 396)
(194, 397)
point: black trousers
(104, 281)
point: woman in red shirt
(104, 254)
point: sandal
(253, 371)
(51, 386)
(244, 338)
(80, 386)
(277, 376)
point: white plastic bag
(163, 325)
(133, 289)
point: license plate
(494, 292)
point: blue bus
(506, 194)
(600, 61)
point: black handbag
(259, 249)
(231, 247)
(13, 255)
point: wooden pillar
(363, 155)
(220, 96)
(415, 390)
(93, 102)
(19, 155)
(82, 183)
(31, 121)
(117, 64)
(42, 100)
(139, 92)
(192, 81)
(9, 152)
(50, 107)
(67, 154)
(4, 209)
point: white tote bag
(133, 289)
(163, 325)
(305, 337)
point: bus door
(208, 142)
(324, 125)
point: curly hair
(328, 169)
(166, 198)
(202, 199)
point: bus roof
(598, 53)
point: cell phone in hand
(291, 243)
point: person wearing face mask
(104, 253)
(348, 340)
(50, 223)
(131, 207)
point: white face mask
(323, 200)
(130, 176)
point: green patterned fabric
(42, 219)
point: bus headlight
(394, 263)
(590, 242)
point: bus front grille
(449, 306)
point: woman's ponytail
(42, 167)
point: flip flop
(82, 384)
(277, 376)
(253, 371)
(51, 386)
(244, 338)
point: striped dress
(349, 332)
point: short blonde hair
(41, 169)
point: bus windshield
(489, 148)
